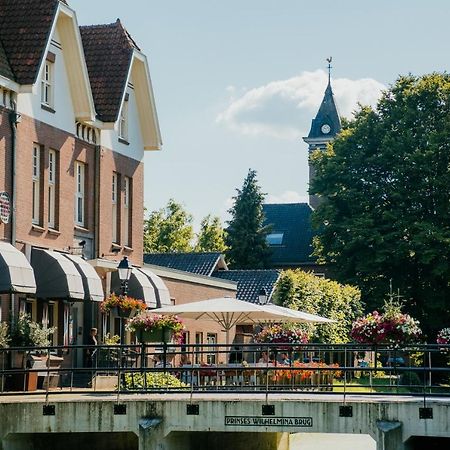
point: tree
(246, 233)
(306, 292)
(385, 213)
(211, 236)
(168, 230)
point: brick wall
(70, 149)
(124, 167)
(186, 292)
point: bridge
(236, 406)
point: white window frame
(36, 180)
(123, 121)
(79, 207)
(52, 174)
(127, 211)
(47, 85)
(114, 203)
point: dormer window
(123, 120)
(274, 238)
(47, 82)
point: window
(52, 168)
(274, 238)
(114, 201)
(80, 172)
(123, 120)
(211, 338)
(127, 212)
(36, 201)
(198, 348)
(47, 84)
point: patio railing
(420, 370)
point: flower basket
(156, 328)
(443, 338)
(122, 306)
(156, 335)
(124, 313)
(392, 327)
(281, 334)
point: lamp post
(124, 271)
(263, 298)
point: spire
(327, 124)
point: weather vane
(329, 59)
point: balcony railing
(418, 370)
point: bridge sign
(256, 421)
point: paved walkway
(89, 396)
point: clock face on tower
(325, 128)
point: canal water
(319, 441)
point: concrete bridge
(213, 421)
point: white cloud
(284, 109)
(287, 197)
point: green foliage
(160, 380)
(385, 183)
(4, 335)
(168, 230)
(211, 237)
(111, 340)
(246, 233)
(305, 292)
(27, 333)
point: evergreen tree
(385, 212)
(211, 236)
(168, 230)
(246, 233)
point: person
(285, 359)
(159, 363)
(91, 351)
(264, 358)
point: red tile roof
(25, 27)
(108, 51)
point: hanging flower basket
(443, 338)
(156, 328)
(122, 306)
(391, 327)
(281, 334)
(156, 335)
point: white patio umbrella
(299, 315)
(228, 312)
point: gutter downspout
(14, 119)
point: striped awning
(16, 273)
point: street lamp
(263, 298)
(124, 269)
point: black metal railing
(420, 370)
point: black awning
(139, 287)
(92, 284)
(16, 273)
(56, 276)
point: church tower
(324, 128)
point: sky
(237, 82)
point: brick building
(77, 113)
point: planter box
(104, 383)
(124, 313)
(159, 335)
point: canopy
(93, 289)
(56, 276)
(161, 291)
(227, 312)
(16, 273)
(297, 316)
(139, 287)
